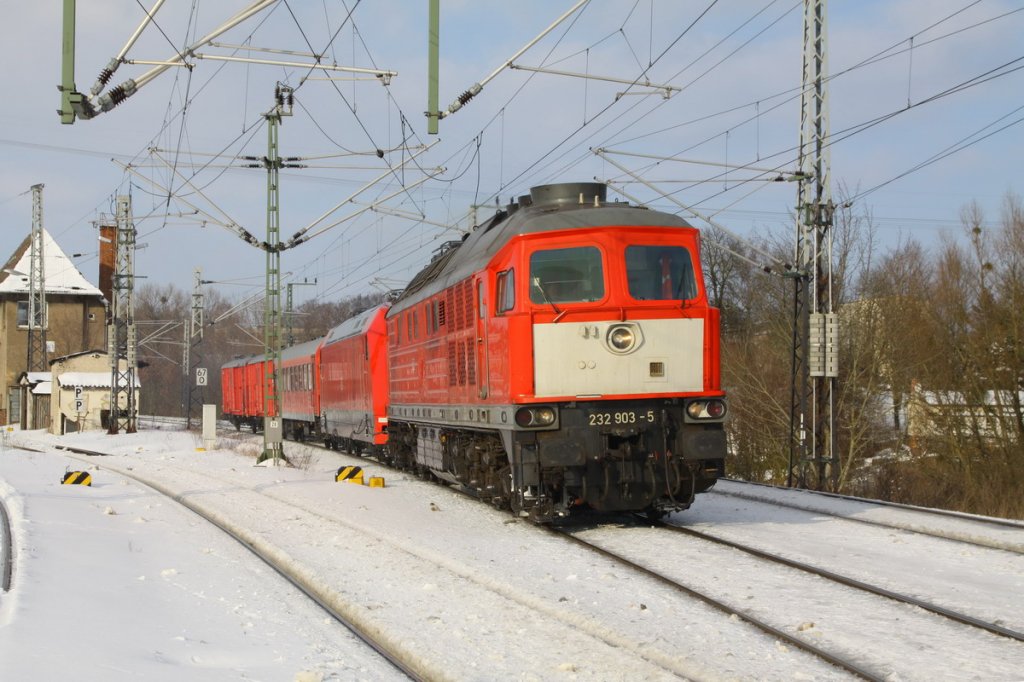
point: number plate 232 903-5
(620, 418)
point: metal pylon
(121, 336)
(815, 325)
(272, 427)
(196, 375)
(36, 342)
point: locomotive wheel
(654, 514)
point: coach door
(483, 371)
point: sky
(914, 80)
(116, 581)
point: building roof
(89, 379)
(60, 276)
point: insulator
(466, 96)
(291, 99)
(117, 95)
(104, 78)
(380, 153)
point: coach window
(573, 275)
(506, 291)
(660, 273)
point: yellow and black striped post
(351, 474)
(77, 478)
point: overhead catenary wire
(452, 192)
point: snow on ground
(116, 582)
(152, 592)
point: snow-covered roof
(60, 276)
(950, 398)
(88, 379)
(43, 388)
(36, 377)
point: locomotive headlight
(706, 409)
(622, 338)
(535, 417)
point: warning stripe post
(77, 478)
(351, 474)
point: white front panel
(573, 359)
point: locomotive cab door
(483, 371)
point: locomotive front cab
(625, 410)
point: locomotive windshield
(660, 273)
(572, 275)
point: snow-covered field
(117, 581)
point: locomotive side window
(660, 273)
(506, 291)
(573, 275)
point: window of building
(14, 404)
(660, 273)
(573, 275)
(23, 315)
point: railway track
(273, 560)
(6, 549)
(842, 662)
(834, 646)
(951, 614)
(1002, 534)
(947, 513)
(850, 582)
(582, 627)
(805, 613)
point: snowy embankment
(472, 592)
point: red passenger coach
(353, 365)
(300, 390)
(563, 355)
(242, 392)
(232, 382)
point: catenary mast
(815, 330)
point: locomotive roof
(479, 247)
(240, 361)
(353, 326)
(304, 349)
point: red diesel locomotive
(562, 355)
